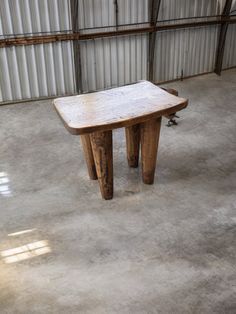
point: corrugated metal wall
(113, 62)
(27, 16)
(40, 70)
(230, 48)
(48, 70)
(96, 13)
(230, 45)
(100, 13)
(36, 71)
(189, 8)
(185, 52)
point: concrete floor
(166, 248)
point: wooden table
(138, 107)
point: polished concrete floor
(166, 248)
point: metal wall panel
(30, 16)
(230, 48)
(36, 71)
(133, 11)
(185, 52)
(1, 99)
(113, 61)
(41, 70)
(101, 13)
(233, 9)
(96, 13)
(174, 9)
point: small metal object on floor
(172, 120)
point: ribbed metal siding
(30, 16)
(230, 48)
(36, 71)
(113, 62)
(96, 13)
(185, 52)
(100, 13)
(117, 61)
(229, 59)
(233, 9)
(133, 11)
(173, 9)
(41, 70)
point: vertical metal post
(116, 13)
(222, 38)
(154, 7)
(74, 6)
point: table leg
(88, 154)
(150, 131)
(132, 144)
(102, 152)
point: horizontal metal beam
(52, 38)
(38, 39)
(118, 32)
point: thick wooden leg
(88, 154)
(132, 144)
(102, 152)
(150, 132)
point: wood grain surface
(116, 108)
(150, 133)
(88, 155)
(132, 144)
(103, 156)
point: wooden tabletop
(116, 108)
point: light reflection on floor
(26, 251)
(20, 232)
(5, 189)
